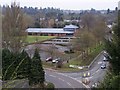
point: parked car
(55, 60)
(69, 51)
(49, 59)
(103, 66)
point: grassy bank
(65, 67)
(78, 61)
(91, 55)
(32, 39)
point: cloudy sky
(67, 4)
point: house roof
(71, 26)
(47, 30)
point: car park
(49, 59)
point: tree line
(21, 66)
(53, 17)
(16, 63)
(112, 46)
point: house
(68, 30)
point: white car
(103, 66)
(55, 60)
(105, 59)
(95, 85)
(49, 59)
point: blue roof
(71, 27)
(47, 30)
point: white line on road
(52, 76)
(69, 84)
(61, 79)
(95, 72)
(74, 79)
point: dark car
(49, 59)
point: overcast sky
(67, 4)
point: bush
(50, 86)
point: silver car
(103, 66)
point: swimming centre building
(68, 30)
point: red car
(49, 59)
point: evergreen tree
(15, 65)
(37, 70)
(24, 69)
(112, 79)
(113, 48)
(7, 58)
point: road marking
(52, 76)
(69, 84)
(61, 79)
(95, 72)
(98, 70)
(90, 77)
(74, 79)
(100, 62)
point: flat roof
(71, 26)
(48, 30)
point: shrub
(50, 86)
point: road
(71, 80)
(61, 80)
(96, 73)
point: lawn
(32, 39)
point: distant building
(68, 30)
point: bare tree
(99, 29)
(51, 50)
(84, 39)
(88, 21)
(29, 20)
(13, 27)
